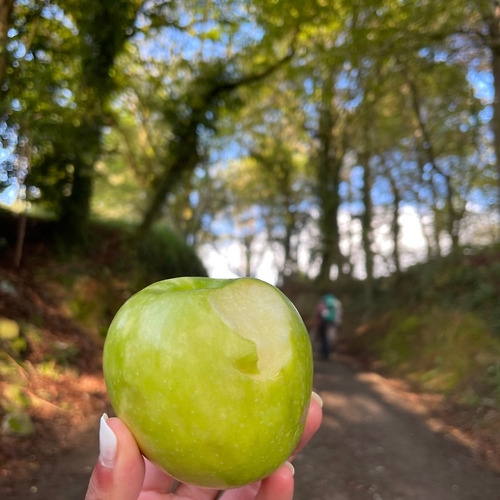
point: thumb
(119, 471)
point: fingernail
(317, 398)
(290, 467)
(107, 443)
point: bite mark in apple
(269, 331)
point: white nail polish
(107, 444)
(317, 398)
(290, 467)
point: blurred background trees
(343, 145)
(310, 133)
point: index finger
(313, 421)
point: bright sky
(224, 263)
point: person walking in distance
(328, 316)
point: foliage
(160, 254)
(55, 312)
(445, 351)
(470, 282)
(163, 255)
(113, 251)
(347, 114)
(437, 326)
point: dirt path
(374, 444)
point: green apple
(212, 376)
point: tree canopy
(304, 131)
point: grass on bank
(56, 307)
(438, 327)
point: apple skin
(212, 376)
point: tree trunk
(328, 167)
(75, 208)
(395, 227)
(428, 157)
(183, 158)
(290, 255)
(183, 155)
(290, 223)
(103, 30)
(6, 8)
(366, 224)
(247, 263)
(493, 22)
(453, 219)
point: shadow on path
(372, 447)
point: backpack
(328, 313)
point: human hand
(122, 473)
